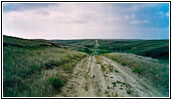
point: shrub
(114, 84)
(56, 82)
(118, 82)
(129, 91)
(123, 64)
(116, 71)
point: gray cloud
(76, 20)
(24, 6)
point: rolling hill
(151, 48)
(85, 68)
(27, 62)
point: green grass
(69, 67)
(151, 48)
(27, 43)
(103, 68)
(56, 82)
(119, 82)
(129, 91)
(23, 67)
(110, 68)
(155, 70)
(116, 71)
(123, 64)
(85, 45)
(139, 70)
(114, 84)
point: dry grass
(22, 69)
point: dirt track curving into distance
(101, 77)
(98, 76)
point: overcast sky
(86, 20)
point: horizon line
(85, 38)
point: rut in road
(102, 77)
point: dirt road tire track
(89, 80)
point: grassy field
(155, 70)
(152, 48)
(33, 68)
(25, 63)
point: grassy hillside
(151, 48)
(34, 68)
(155, 70)
(85, 45)
(18, 42)
(27, 62)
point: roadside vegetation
(25, 63)
(155, 70)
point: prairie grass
(22, 67)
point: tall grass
(22, 68)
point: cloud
(63, 21)
(74, 20)
(163, 14)
(167, 14)
(139, 22)
(131, 16)
(24, 6)
(135, 22)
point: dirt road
(101, 77)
